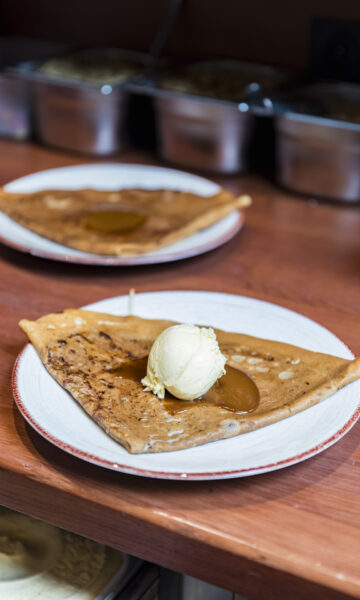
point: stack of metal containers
(204, 114)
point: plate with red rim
(115, 176)
(53, 413)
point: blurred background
(277, 33)
(216, 87)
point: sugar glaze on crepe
(123, 222)
(89, 353)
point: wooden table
(294, 533)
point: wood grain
(294, 533)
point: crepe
(84, 350)
(94, 221)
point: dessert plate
(55, 415)
(112, 177)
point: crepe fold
(82, 350)
(164, 216)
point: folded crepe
(124, 222)
(84, 352)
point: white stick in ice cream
(131, 302)
(186, 360)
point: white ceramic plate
(56, 416)
(112, 177)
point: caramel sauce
(134, 370)
(113, 221)
(235, 391)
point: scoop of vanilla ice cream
(186, 360)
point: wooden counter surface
(294, 533)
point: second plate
(112, 177)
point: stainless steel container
(15, 108)
(204, 113)
(79, 118)
(203, 134)
(87, 114)
(318, 155)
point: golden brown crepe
(84, 351)
(124, 222)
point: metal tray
(208, 131)
(15, 108)
(317, 144)
(78, 115)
